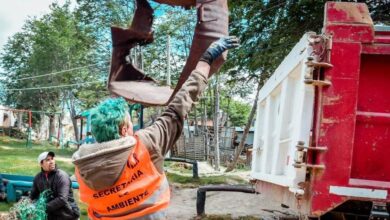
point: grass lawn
(15, 158)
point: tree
(269, 29)
(237, 154)
(176, 22)
(179, 24)
(47, 46)
(64, 39)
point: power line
(54, 73)
(51, 87)
(269, 5)
(272, 7)
(276, 46)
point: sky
(13, 14)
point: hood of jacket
(101, 164)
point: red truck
(322, 132)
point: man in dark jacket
(60, 203)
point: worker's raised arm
(163, 134)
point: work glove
(218, 47)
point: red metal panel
(376, 48)
(336, 125)
(355, 113)
(352, 116)
(372, 138)
(344, 12)
(351, 33)
(348, 22)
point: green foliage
(238, 111)
(179, 25)
(176, 22)
(5, 206)
(98, 16)
(379, 10)
(188, 181)
(269, 29)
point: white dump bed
(284, 117)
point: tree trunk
(41, 130)
(52, 126)
(73, 114)
(233, 164)
(75, 128)
(228, 112)
(20, 120)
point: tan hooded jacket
(101, 164)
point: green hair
(106, 119)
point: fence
(201, 147)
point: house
(249, 139)
(7, 117)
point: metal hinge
(316, 66)
(300, 159)
(319, 59)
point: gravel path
(235, 204)
(183, 204)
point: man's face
(48, 164)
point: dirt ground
(221, 204)
(235, 204)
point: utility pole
(205, 129)
(168, 61)
(216, 124)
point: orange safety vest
(140, 192)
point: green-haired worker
(121, 176)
